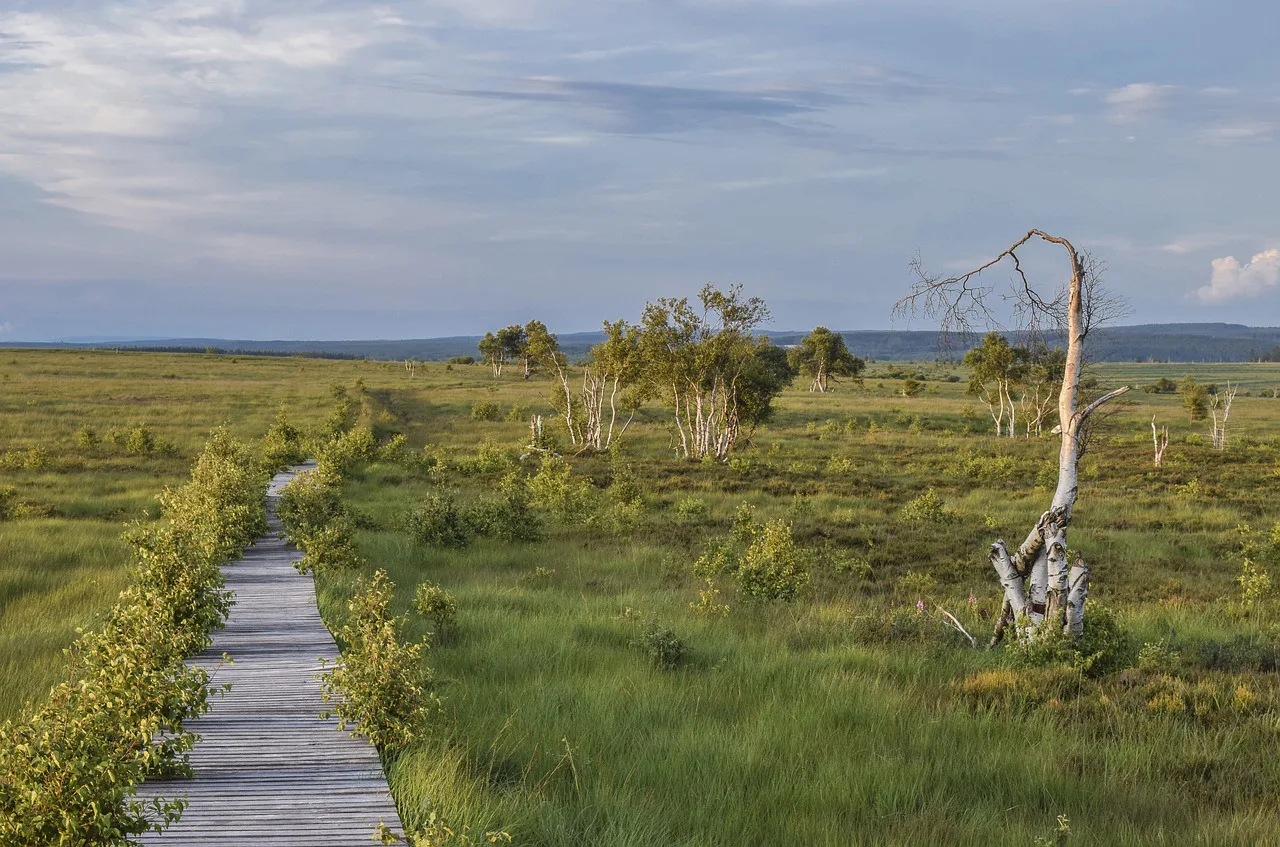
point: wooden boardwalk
(268, 771)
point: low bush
(432, 601)
(379, 688)
(486, 410)
(437, 522)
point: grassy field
(843, 717)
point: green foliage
(349, 449)
(823, 357)
(555, 489)
(462, 360)
(1255, 583)
(1195, 398)
(8, 501)
(661, 644)
(379, 688)
(772, 568)
(486, 410)
(316, 520)
(1104, 647)
(431, 600)
(284, 444)
(87, 437)
(927, 508)
(69, 765)
(330, 547)
(910, 387)
(437, 522)
(691, 510)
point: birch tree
(714, 373)
(823, 357)
(1041, 384)
(609, 378)
(1042, 590)
(994, 367)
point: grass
(845, 717)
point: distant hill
(1189, 342)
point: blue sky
(306, 169)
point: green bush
(379, 689)
(664, 648)
(432, 601)
(927, 508)
(87, 437)
(437, 522)
(283, 445)
(330, 547)
(555, 489)
(462, 360)
(772, 568)
(485, 410)
(691, 510)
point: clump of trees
(822, 357)
(703, 358)
(999, 371)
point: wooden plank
(268, 770)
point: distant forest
(1208, 342)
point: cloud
(1234, 281)
(6, 328)
(644, 109)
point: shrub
(665, 649)
(87, 437)
(8, 495)
(927, 508)
(555, 489)
(283, 445)
(772, 568)
(348, 449)
(462, 360)
(485, 410)
(379, 688)
(539, 577)
(438, 523)
(309, 502)
(330, 547)
(432, 601)
(1255, 583)
(690, 510)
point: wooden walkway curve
(268, 771)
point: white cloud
(1233, 281)
(1138, 99)
(6, 328)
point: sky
(314, 169)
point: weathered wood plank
(267, 769)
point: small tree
(1042, 381)
(1039, 583)
(506, 345)
(995, 367)
(823, 358)
(1195, 398)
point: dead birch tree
(1160, 437)
(1039, 583)
(1220, 402)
